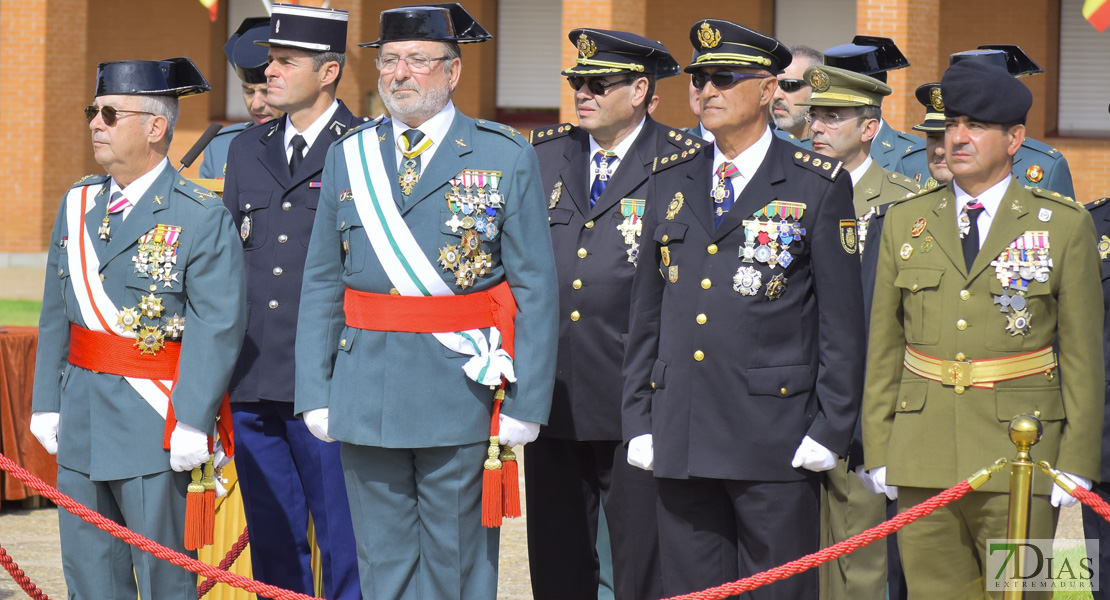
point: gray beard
(788, 122)
(426, 106)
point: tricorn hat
(867, 55)
(307, 28)
(248, 58)
(177, 77)
(1009, 57)
(446, 22)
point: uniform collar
(138, 188)
(312, 131)
(621, 149)
(857, 173)
(748, 161)
(435, 128)
(990, 199)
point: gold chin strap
(844, 97)
(933, 116)
(612, 65)
(743, 58)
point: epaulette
(234, 128)
(91, 180)
(686, 146)
(367, 123)
(1096, 203)
(922, 192)
(1043, 148)
(818, 163)
(504, 130)
(906, 183)
(197, 193)
(1055, 196)
(540, 135)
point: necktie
(299, 146)
(602, 173)
(970, 236)
(412, 143)
(116, 204)
(722, 194)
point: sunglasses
(109, 113)
(722, 79)
(791, 85)
(596, 86)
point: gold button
(959, 389)
(913, 288)
(782, 391)
(394, 292)
(706, 284)
(1036, 413)
(665, 238)
(102, 277)
(589, 224)
(903, 405)
(702, 319)
(960, 356)
(965, 295)
(574, 316)
(153, 288)
(961, 324)
(577, 284)
(653, 385)
(699, 355)
(581, 253)
(343, 343)
(712, 249)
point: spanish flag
(1098, 13)
(214, 9)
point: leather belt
(980, 373)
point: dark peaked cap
(720, 43)
(985, 93)
(928, 94)
(177, 77)
(604, 52)
(248, 58)
(448, 22)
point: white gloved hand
(641, 452)
(513, 432)
(188, 447)
(317, 422)
(813, 456)
(865, 479)
(44, 426)
(878, 480)
(1064, 499)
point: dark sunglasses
(596, 86)
(108, 113)
(722, 79)
(791, 85)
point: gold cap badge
(935, 99)
(585, 47)
(709, 37)
(819, 80)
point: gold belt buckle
(957, 373)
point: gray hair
(814, 56)
(452, 51)
(319, 59)
(162, 106)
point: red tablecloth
(17, 373)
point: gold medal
(918, 227)
(672, 274)
(150, 340)
(907, 251)
(128, 318)
(151, 306)
(665, 252)
(674, 206)
(408, 180)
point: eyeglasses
(722, 79)
(417, 63)
(791, 85)
(108, 113)
(596, 86)
(831, 119)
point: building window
(1084, 86)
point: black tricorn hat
(1008, 56)
(867, 55)
(177, 77)
(603, 52)
(446, 22)
(248, 58)
(307, 28)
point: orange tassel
(194, 512)
(209, 515)
(510, 483)
(491, 486)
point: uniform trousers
(417, 514)
(98, 566)
(848, 508)
(1097, 528)
(285, 474)
(713, 531)
(944, 554)
(566, 480)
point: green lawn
(19, 312)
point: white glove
(1064, 499)
(813, 456)
(641, 452)
(877, 476)
(188, 447)
(516, 433)
(865, 479)
(44, 426)
(219, 457)
(317, 422)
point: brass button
(961, 324)
(699, 355)
(286, 205)
(903, 405)
(702, 319)
(273, 304)
(1049, 375)
(153, 288)
(913, 288)
(960, 356)
(712, 249)
(581, 253)
(283, 238)
(343, 343)
(576, 284)
(965, 295)
(959, 389)
(103, 277)
(665, 238)
(278, 271)
(574, 316)
(342, 224)
(1036, 413)
(706, 284)
(589, 224)
(653, 385)
(394, 292)
(782, 391)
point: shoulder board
(1054, 196)
(540, 135)
(1039, 146)
(91, 180)
(911, 138)
(904, 182)
(234, 128)
(504, 130)
(922, 192)
(681, 152)
(197, 193)
(818, 163)
(1096, 203)
(367, 123)
(684, 140)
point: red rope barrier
(1093, 501)
(225, 564)
(824, 555)
(143, 543)
(20, 577)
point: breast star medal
(150, 340)
(151, 306)
(747, 281)
(128, 318)
(1017, 322)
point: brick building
(49, 50)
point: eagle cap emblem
(935, 99)
(586, 47)
(708, 36)
(819, 80)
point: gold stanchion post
(1025, 432)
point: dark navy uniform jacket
(594, 290)
(730, 384)
(274, 212)
(1100, 212)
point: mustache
(780, 104)
(404, 85)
